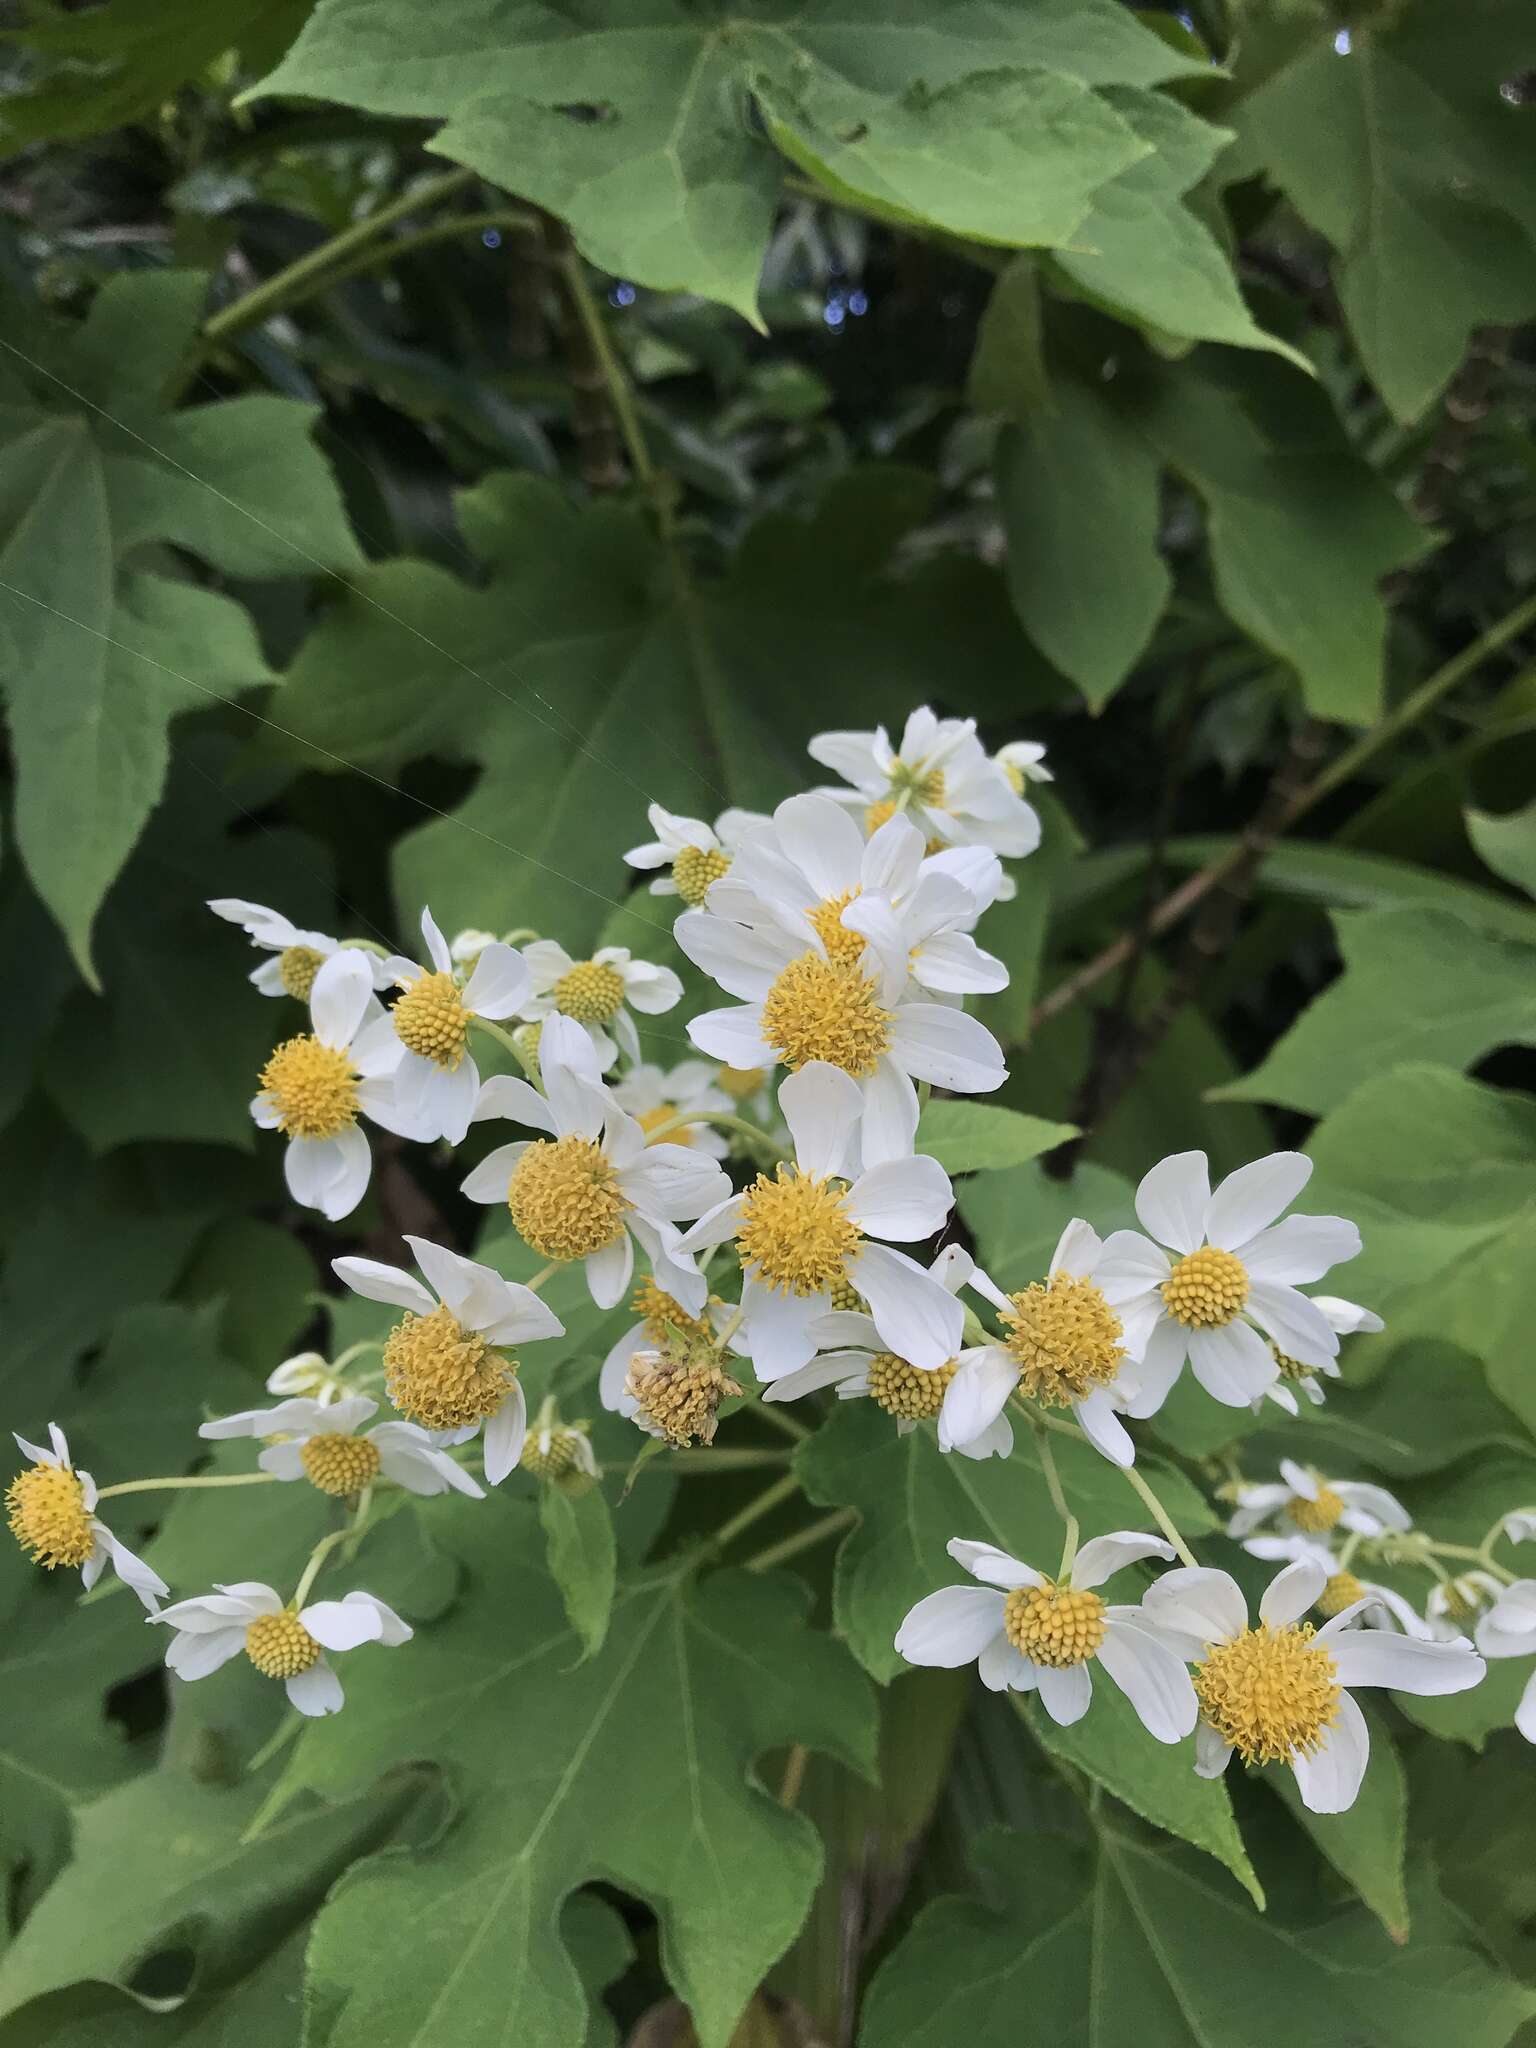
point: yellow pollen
(695, 868)
(1270, 1693)
(796, 1231)
(340, 1465)
(48, 1516)
(1054, 1625)
(1015, 775)
(280, 1646)
(742, 1082)
(1341, 1591)
(591, 992)
(565, 1199)
(905, 1391)
(312, 1087)
(819, 1010)
(525, 1042)
(1065, 1339)
(297, 967)
(844, 946)
(430, 1019)
(1315, 1516)
(661, 1314)
(652, 1119)
(680, 1390)
(553, 1460)
(443, 1376)
(1290, 1368)
(918, 785)
(1462, 1599)
(1206, 1290)
(878, 814)
(845, 1295)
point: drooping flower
(315, 1088)
(940, 777)
(1035, 1634)
(1508, 1629)
(592, 1188)
(1279, 1693)
(654, 1095)
(598, 994)
(1383, 1606)
(437, 1079)
(690, 854)
(325, 1443)
(813, 1226)
(279, 1642)
(560, 1454)
(309, 1373)
(445, 1367)
(1343, 1317)
(1234, 1267)
(51, 1509)
(1314, 1505)
(1023, 761)
(296, 956)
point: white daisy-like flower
(1234, 1267)
(51, 1509)
(1067, 1344)
(1314, 1505)
(591, 1188)
(296, 955)
(444, 1365)
(307, 1372)
(1508, 1629)
(812, 1227)
(598, 994)
(560, 1451)
(661, 1320)
(1345, 1588)
(325, 1443)
(1280, 1693)
(1343, 1317)
(1023, 761)
(437, 1079)
(858, 1364)
(315, 1088)
(654, 1095)
(465, 947)
(1519, 1525)
(1454, 1603)
(690, 853)
(828, 993)
(940, 776)
(280, 1643)
(1034, 1634)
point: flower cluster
(768, 1212)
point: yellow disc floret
(740, 1083)
(430, 1019)
(280, 1646)
(680, 1390)
(844, 946)
(1270, 1693)
(695, 868)
(564, 1197)
(1206, 1290)
(918, 785)
(1054, 1625)
(878, 814)
(297, 967)
(652, 1120)
(1290, 1368)
(845, 1295)
(796, 1231)
(340, 1465)
(550, 1454)
(443, 1376)
(48, 1516)
(1315, 1516)
(311, 1087)
(820, 1010)
(1342, 1590)
(904, 1390)
(1065, 1339)
(662, 1315)
(592, 992)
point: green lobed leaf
(972, 1137)
(1507, 844)
(1368, 1844)
(582, 1559)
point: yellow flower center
(340, 1464)
(280, 1646)
(564, 1198)
(312, 1087)
(1315, 1516)
(443, 1376)
(591, 992)
(740, 1083)
(297, 967)
(661, 1314)
(844, 946)
(680, 1391)
(1054, 1625)
(525, 1041)
(554, 1459)
(1015, 775)
(1206, 1289)
(904, 1391)
(820, 1010)
(694, 869)
(796, 1231)
(881, 813)
(1269, 1692)
(1065, 1338)
(845, 1295)
(1341, 1591)
(918, 785)
(48, 1516)
(652, 1120)
(1290, 1368)
(430, 1019)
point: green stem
(708, 1116)
(408, 245)
(170, 1485)
(284, 1733)
(620, 396)
(309, 272)
(763, 1504)
(1058, 1499)
(802, 1539)
(725, 1461)
(1472, 1556)
(779, 1416)
(317, 1557)
(1157, 1511)
(501, 1037)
